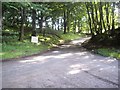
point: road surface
(67, 66)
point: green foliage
(71, 16)
(18, 49)
(71, 36)
(25, 48)
(111, 52)
(10, 35)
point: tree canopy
(96, 18)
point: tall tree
(96, 15)
(41, 21)
(92, 15)
(100, 23)
(33, 22)
(22, 24)
(107, 14)
(113, 18)
(65, 23)
(89, 18)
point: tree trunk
(22, 24)
(41, 22)
(65, 22)
(103, 19)
(96, 17)
(79, 30)
(92, 14)
(68, 25)
(75, 23)
(58, 24)
(89, 19)
(100, 10)
(52, 24)
(61, 24)
(55, 26)
(33, 22)
(107, 15)
(104, 24)
(113, 18)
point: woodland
(53, 22)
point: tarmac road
(67, 66)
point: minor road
(67, 66)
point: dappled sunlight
(55, 51)
(2, 53)
(101, 69)
(98, 65)
(61, 41)
(62, 55)
(60, 45)
(86, 57)
(54, 45)
(115, 67)
(33, 61)
(107, 68)
(46, 58)
(65, 46)
(79, 41)
(73, 71)
(81, 53)
(7, 30)
(110, 60)
(94, 60)
(77, 68)
(100, 59)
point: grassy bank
(102, 49)
(109, 52)
(19, 49)
(25, 48)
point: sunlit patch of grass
(2, 53)
(112, 52)
(61, 41)
(7, 30)
(70, 36)
(21, 49)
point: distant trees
(102, 23)
(98, 17)
(100, 14)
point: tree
(113, 18)
(89, 19)
(22, 24)
(65, 22)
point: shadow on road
(66, 66)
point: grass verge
(111, 52)
(20, 49)
(108, 51)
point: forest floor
(66, 66)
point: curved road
(67, 66)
